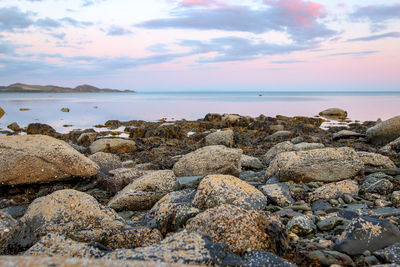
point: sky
(156, 45)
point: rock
(325, 165)
(172, 211)
(263, 258)
(86, 139)
(76, 215)
(278, 135)
(275, 150)
(329, 223)
(213, 117)
(190, 181)
(14, 126)
(65, 110)
(39, 128)
(384, 132)
(376, 185)
(34, 261)
(334, 113)
(320, 205)
(15, 211)
(277, 128)
(209, 160)
(220, 138)
(395, 197)
(167, 130)
(392, 147)
(250, 163)
(279, 194)
(113, 145)
(145, 191)
(307, 146)
(335, 190)
(344, 134)
(40, 158)
(330, 258)
(8, 229)
(229, 120)
(1, 112)
(367, 233)
(106, 161)
(301, 225)
(215, 190)
(390, 254)
(183, 247)
(376, 161)
(119, 178)
(54, 244)
(240, 229)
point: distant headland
(85, 88)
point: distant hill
(85, 88)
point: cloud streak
(376, 37)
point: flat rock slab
(325, 165)
(40, 158)
(335, 190)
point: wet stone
(263, 258)
(375, 185)
(329, 258)
(390, 254)
(330, 223)
(301, 225)
(278, 193)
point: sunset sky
(155, 45)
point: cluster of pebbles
(226, 190)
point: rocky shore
(225, 190)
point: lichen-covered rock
(55, 244)
(375, 161)
(119, 178)
(74, 214)
(86, 139)
(301, 225)
(251, 163)
(113, 145)
(335, 190)
(333, 113)
(106, 161)
(40, 158)
(376, 185)
(8, 229)
(240, 229)
(391, 148)
(278, 193)
(220, 138)
(145, 191)
(209, 160)
(172, 211)
(215, 190)
(275, 150)
(166, 130)
(367, 233)
(343, 134)
(325, 165)
(384, 132)
(183, 247)
(390, 254)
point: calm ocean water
(88, 109)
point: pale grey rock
(301, 225)
(106, 161)
(384, 132)
(343, 134)
(375, 161)
(220, 138)
(278, 135)
(251, 163)
(307, 146)
(275, 150)
(278, 193)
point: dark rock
(390, 254)
(373, 160)
(39, 128)
(301, 225)
(263, 259)
(278, 193)
(14, 126)
(375, 185)
(328, 258)
(329, 223)
(15, 211)
(106, 161)
(86, 139)
(384, 132)
(9, 228)
(320, 204)
(113, 145)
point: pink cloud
(302, 12)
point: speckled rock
(86, 139)
(183, 247)
(40, 128)
(251, 163)
(8, 229)
(40, 158)
(390, 254)
(54, 244)
(325, 165)
(279, 135)
(395, 198)
(384, 132)
(229, 120)
(220, 138)
(301, 225)
(210, 160)
(106, 161)
(119, 178)
(168, 130)
(375, 161)
(376, 185)
(215, 190)
(264, 258)
(240, 229)
(113, 145)
(330, 258)
(275, 150)
(367, 233)
(172, 211)
(333, 113)
(335, 190)
(145, 191)
(304, 146)
(35, 261)
(74, 214)
(1, 112)
(278, 193)
(329, 223)
(392, 147)
(343, 134)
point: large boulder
(251, 163)
(240, 229)
(40, 158)
(144, 192)
(210, 160)
(8, 229)
(325, 165)
(375, 161)
(384, 132)
(113, 145)
(215, 190)
(40, 128)
(220, 138)
(334, 113)
(106, 161)
(76, 215)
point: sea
(89, 109)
